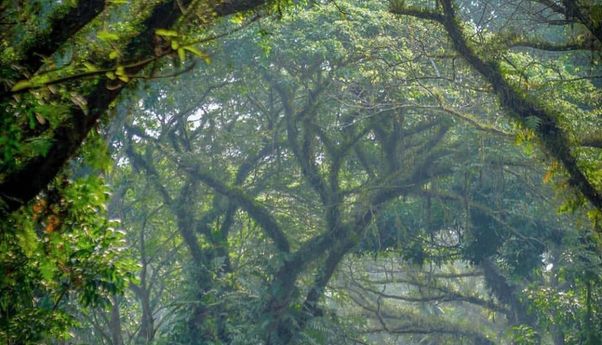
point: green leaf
(113, 55)
(28, 241)
(90, 67)
(47, 269)
(532, 122)
(174, 45)
(238, 18)
(20, 85)
(199, 53)
(120, 73)
(50, 112)
(107, 36)
(166, 33)
(181, 54)
(40, 146)
(111, 75)
(120, 70)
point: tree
(52, 100)
(549, 126)
(327, 136)
(73, 116)
(268, 142)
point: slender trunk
(146, 334)
(507, 294)
(115, 322)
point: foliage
(60, 253)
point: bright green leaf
(181, 54)
(20, 85)
(90, 67)
(166, 33)
(120, 71)
(107, 36)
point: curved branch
(252, 207)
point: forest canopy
(285, 172)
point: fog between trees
(350, 172)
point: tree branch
(252, 207)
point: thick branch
(550, 46)
(252, 207)
(302, 150)
(594, 140)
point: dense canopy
(323, 172)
